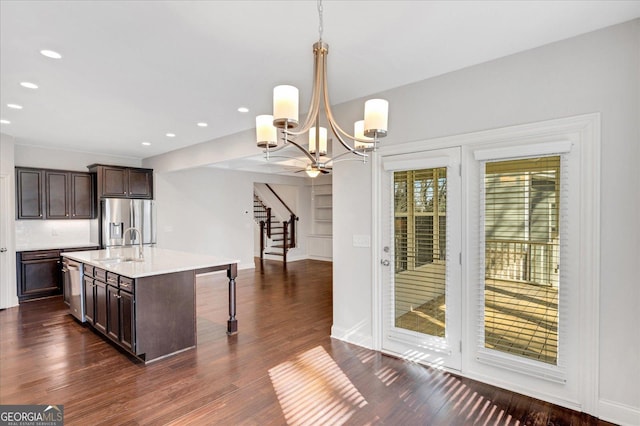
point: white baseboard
(621, 414)
(324, 258)
(352, 336)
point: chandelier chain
(320, 23)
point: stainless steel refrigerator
(118, 214)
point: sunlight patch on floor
(312, 389)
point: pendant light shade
(266, 132)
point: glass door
(421, 256)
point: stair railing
(292, 219)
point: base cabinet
(89, 300)
(38, 274)
(110, 305)
(100, 306)
(120, 319)
(150, 317)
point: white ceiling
(134, 70)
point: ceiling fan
(313, 170)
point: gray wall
(596, 72)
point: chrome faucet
(124, 234)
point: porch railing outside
(521, 260)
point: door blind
(420, 208)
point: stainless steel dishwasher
(73, 288)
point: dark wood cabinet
(89, 301)
(113, 312)
(82, 197)
(110, 305)
(29, 193)
(127, 320)
(38, 274)
(100, 306)
(54, 194)
(123, 182)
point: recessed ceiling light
(171, 135)
(29, 85)
(202, 124)
(146, 143)
(14, 106)
(243, 109)
(3, 121)
(51, 54)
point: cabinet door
(127, 320)
(113, 312)
(57, 194)
(89, 303)
(39, 275)
(114, 182)
(82, 197)
(140, 183)
(29, 194)
(100, 302)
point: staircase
(277, 237)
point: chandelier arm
(311, 157)
(337, 130)
(314, 105)
(333, 160)
(349, 148)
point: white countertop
(53, 246)
(156, 261)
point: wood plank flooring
(281, 368)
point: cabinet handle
(40, 256)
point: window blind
(521, 246)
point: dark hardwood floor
(281, 368)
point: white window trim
(587, 129)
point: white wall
(210, 211)
(47, 158)
(596, 72)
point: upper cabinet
(83, 197)
(54, 194)
(29, 193)
(123, 182)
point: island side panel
(165, 314)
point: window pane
(522, 257)
(419, 251)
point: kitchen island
(147, 305)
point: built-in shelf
(321, 239)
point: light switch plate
(362, 241)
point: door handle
(385, 262)
(3, 249)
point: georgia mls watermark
(31, 415)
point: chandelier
(285, 119)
